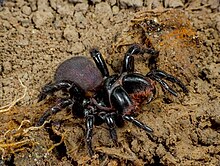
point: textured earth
(37, 35)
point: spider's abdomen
(81, 71)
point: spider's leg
(109, 119)
(57, 108)
(128, 62)
(59, 85)
(152, 62)
(165, 85)
(89, 128)
(100, 62)
(137, 123)
(158, 75)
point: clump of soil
(35, 36)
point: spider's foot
(91, 152)
(41, 96)
(138, 123)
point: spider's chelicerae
(98, 97)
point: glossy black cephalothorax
(98, 97)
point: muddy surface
(35, 36)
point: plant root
(8, 107)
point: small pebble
(26, 10)
(42, 17)
(80, 20)
(131, 3)
(7, 66)
(81, 7)
(112, 2)
(173, 3)
(103, 9)
(115, 9)
(214, 4)
(70, 33)
(76, 48)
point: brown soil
(35, 36)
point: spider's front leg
(158, 75)
(128, 62)
(60, 85)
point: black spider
(103, 98)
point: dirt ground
(37, 35)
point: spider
(99, 97)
